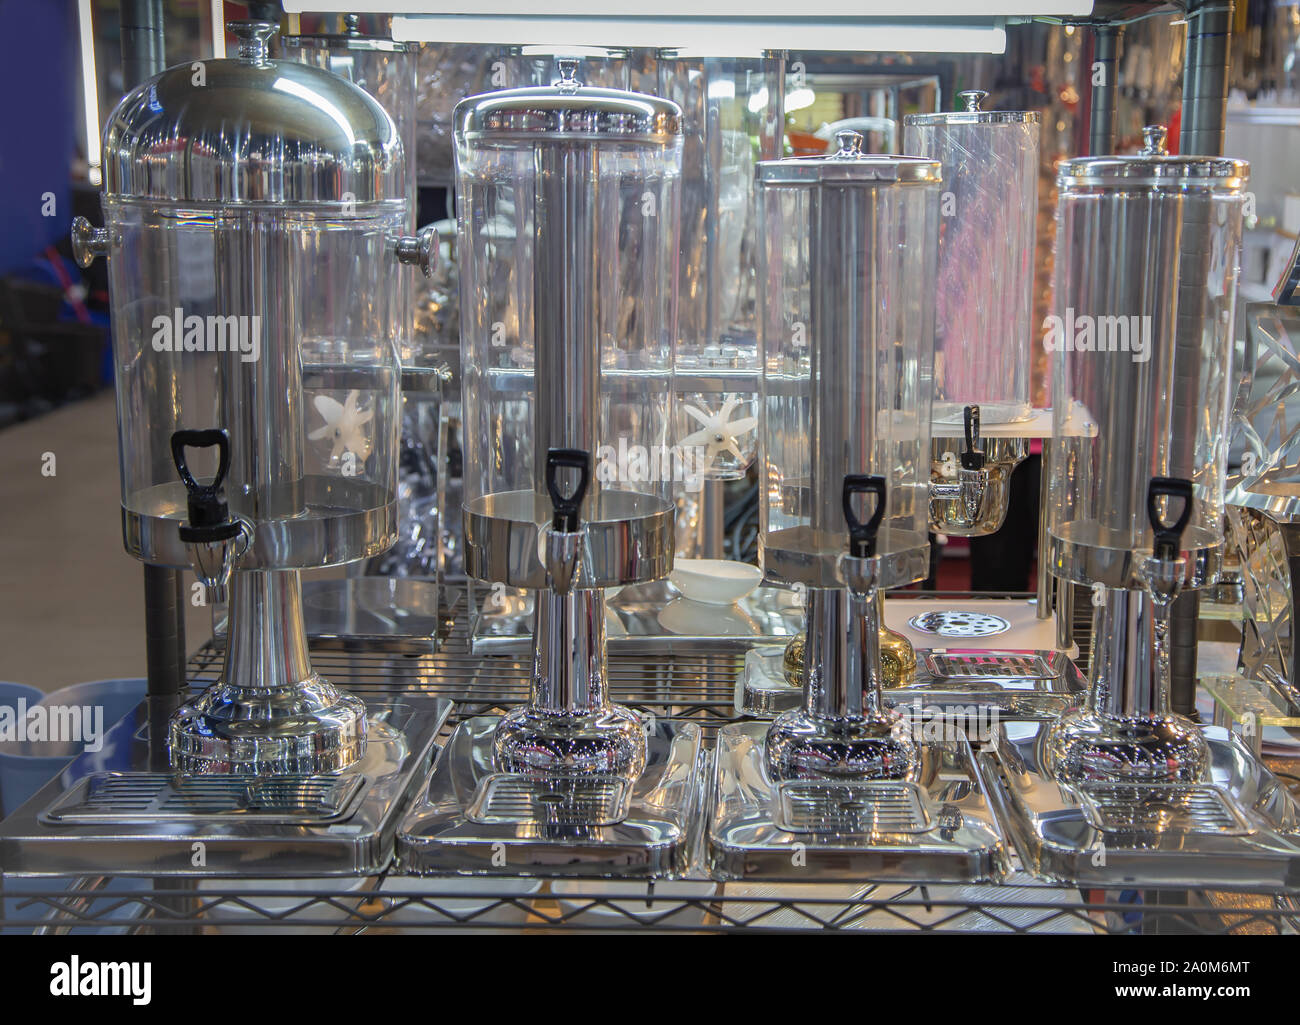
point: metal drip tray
(476, 820)
(1159, 808)
(139, 821)
(959, 623)
(990, 685)
(858, 809)
(143, 797)
(944, 665)
(937, 827)
(1240, 827)
(505, 798)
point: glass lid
(568, 110)
(973, 115)
(248, 129)
(849, 166)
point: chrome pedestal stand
(569, 783)
(843, 786)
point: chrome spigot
(563, 550)
(213, 537)
(972, 475)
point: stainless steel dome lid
(973, 115)
(850, 166)
(568, 111)
(1155, 166)
(249, 129)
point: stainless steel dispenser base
(138, 822)
(1238, 827)
(315, 728)
(477, 820)
(269, 714)
(935, 828)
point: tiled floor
(71, 600)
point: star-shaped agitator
(344, 425)
(718, 432)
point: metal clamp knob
(87, 241)
(419, 250)
(973, 98)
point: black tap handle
(862, 536)
(566, 507)
(209, 518)
(973, 456)
(1168, 536)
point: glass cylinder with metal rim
(568, 233)
(847, 344)
(1140, 335)
(257, 411)
(984, 299)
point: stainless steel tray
(939, 829)
(1239, 828)
(66, 829)
(476, 820)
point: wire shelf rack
(696, 687)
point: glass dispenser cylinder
(983, 334)
(568, 232)
(257, 407)
(1140, 332)
(847, 344)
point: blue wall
(40, 83)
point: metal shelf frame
(697, 687)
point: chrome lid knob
(1154, 138)
(973, 98)
(254, 40)
(849, 142)
(568, 82)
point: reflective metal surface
(843, 731)
(475, 819)
(951, 512)
(627, 537)
(259, 828)
(966, 689)
(252, 130)
(936, 827)
(374, 609)
(567, 112)
(957, 623)
(569, 727)
(270, 713)
(1238, 827)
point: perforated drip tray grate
(852, 809)
(505, 798)
(146, 797)
(1160, 808)
(988, 666)
(959, 623)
